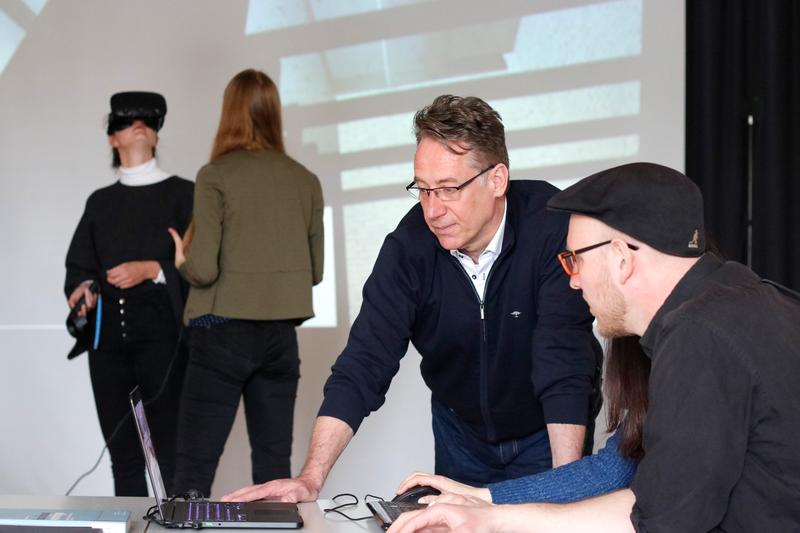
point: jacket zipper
(483, 387)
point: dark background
(742, 60)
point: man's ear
(624, 260)
(498, 176)
(113, 142)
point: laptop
(203, 513)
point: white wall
(582, 85)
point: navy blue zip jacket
(522, 358)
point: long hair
(626, 389)
(251, 115)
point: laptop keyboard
(219, 511)
(389, 511)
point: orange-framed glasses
(569, 258)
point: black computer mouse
(415, 493)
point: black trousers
(254, 359)
(114, 375)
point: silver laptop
(203, 513)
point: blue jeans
(462, 455)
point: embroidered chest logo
(515, 314)
(695, 242)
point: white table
(315, 521)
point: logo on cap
(695, 242)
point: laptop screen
(146, 439)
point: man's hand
(286, 490)
(180, 247)
(328, 439)
(132, 273)
(89, 298)
(448, 517)
(445, 485)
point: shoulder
(531, 196)
(286, 164)
(412, 235)
(103, 194)
(714, 326)
(182, 185)
(247, 162)
(727, 296)
(412, 225)
(527, 200)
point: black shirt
(129, 223)
(722, 432)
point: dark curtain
(743, 59)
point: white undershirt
(478, 272)
(144, 174)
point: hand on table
(285, 490)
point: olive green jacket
(258, 238)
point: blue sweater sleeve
(597, 474)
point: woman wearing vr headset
(256, 251)
(121, 246)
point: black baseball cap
(129, 106)
(654, 204)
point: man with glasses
(470, 278)
(721, 432)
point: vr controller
(76, 324)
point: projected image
(12, 28)
(350, 108)
(353, 72)
(266, 15)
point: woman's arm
(597, 474)
(316, 233)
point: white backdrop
(582, 85)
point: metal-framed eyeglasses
(445, 194)
(569, 258)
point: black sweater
(125, 223)
(532, 360)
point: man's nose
(433, 206)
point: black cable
(127, 415)
(349, 504)
(153, 515)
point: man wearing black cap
(723, 422)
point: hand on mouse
(445, 485)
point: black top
(723, 428)
(525, 358)
(129, 223)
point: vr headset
(128, 107)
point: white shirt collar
(496, 244)
(144, 174)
